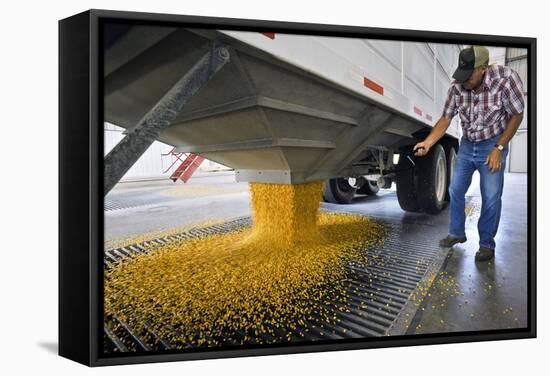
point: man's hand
(422, 148)
(494, 160)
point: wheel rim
(440, 179)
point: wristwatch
(499, 147)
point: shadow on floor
(51, 347)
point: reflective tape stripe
(373, 86)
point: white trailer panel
(407, 71)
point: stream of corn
(272, 277)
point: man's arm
(439, 129)
(514, 104)
(494, 159)
(511, 129)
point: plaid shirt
(484, 113)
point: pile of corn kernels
(270, 279)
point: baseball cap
(469, 59)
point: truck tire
(370, 188)
(450, 156)
(405, 184)
(432, 180)
(338, 191)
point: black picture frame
(81, 189)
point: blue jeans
(472, 157)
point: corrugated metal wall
(152, 164)
(516, 58)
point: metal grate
(384, 295)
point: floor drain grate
(384, 295)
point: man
(489, 101)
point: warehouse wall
(516, 58)
(152, 164)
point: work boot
(485, 254)
(449, 241)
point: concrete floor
(465, 295)
(151, 206)
(470, 296)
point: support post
(130, 148)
